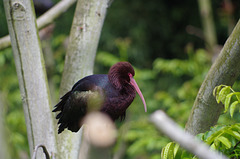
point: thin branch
(45, 151)
(208, 24)
(186, 140)
(54, 12)
(44, 20)
(5, 42)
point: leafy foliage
(225, 139)
(143, 142)
(222, 138)
(230, 100)
(169, 151)
(186, 77)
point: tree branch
(44, 150)
(44, 20)
(31, 74)
(79, 61)
(57, 10)
(187, 141)
(225, 70)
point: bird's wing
(85, 96)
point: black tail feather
(71, 112)
(61, 127)
(59, 115)
(60, 105)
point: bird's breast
(116, 104)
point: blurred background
(171, 44)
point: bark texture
(84, 36)
(225, 70)
(31, 74)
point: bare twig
(44, 150)
(54, 12)
(44, 20)
(186, 140)
(5, 42)
(208, 24)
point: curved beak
(133, 82)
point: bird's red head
(121, 74)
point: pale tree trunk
(208, 24)
(31, 74)
(85, 32)
(225, 70)
(4, 151)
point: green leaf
(213, 146)
(225, 141)
(236, 126)
(223, 93)
(238, 96)
(211, 138)
(233, 107)
(227, 102)
(217, 142)
(236, 135)
(216, 91)
(168, 151)
(176, 147)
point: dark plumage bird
(111, 94)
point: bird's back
(87, 94)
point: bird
(110, 93)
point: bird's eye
(130, 75)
